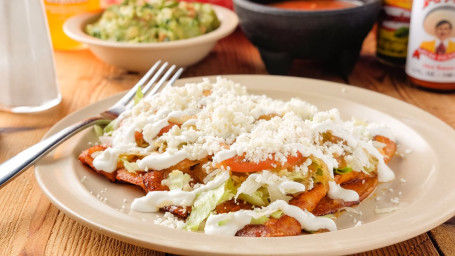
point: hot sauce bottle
(431, 50)
(393, 32)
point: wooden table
(31, 225)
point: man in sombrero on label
(441, 45)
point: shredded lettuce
(373, 165)
(177, 180)
(222, 223)
(330, 216)
(277, 214)
(108, 129)
(130, 166)
(139, 95)
(277, 187)
(294, 175)
(343, 170)
(98, 130)
(263, 219)
(257, 198)
(206, 202)
(259, 221)
(320, 171)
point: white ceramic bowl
(141, 56)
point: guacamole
(143, 21)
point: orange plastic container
(58, 11)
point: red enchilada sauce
(314, 4)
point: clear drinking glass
(28, 81)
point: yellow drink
(58, 11)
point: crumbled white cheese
(395, 200)
(386, 210)
(83, 179)
(227, 121)
(169, 220)
(353, 210)
(221, 121)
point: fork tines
(148, 83)
(149, 86)
(156, 86)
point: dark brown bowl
(334, 36)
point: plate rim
(398, 237)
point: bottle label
(431, 50)
(393, 29)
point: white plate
(424, 184)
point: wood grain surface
(31, 225)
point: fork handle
(14, 166)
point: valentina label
(434, 56)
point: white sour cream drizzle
(385, 174)
(191, 122)
(107, 160)
(337, 192)
(153, 129)
(224, 155)
(230, 223)
(160, 161)
(125, 139)
(155, 200)
(181, 113)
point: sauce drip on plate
(315, 4)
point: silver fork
(17, 164)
